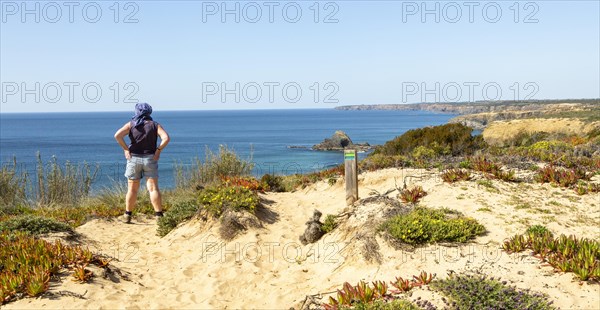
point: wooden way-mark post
(351, 171)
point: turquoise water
(262, 134)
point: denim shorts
(141, 166)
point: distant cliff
(474, 107)
(480, 113)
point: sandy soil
(268, 268)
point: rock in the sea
(338, 142)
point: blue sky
(176, 55)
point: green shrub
(73, 216)
(329, 223)
(275, 182)
(480, 292)
(112, 199)
(12, 186)
(225, 163)
(177, 214)
(291, 182)
(465, 164)
(537, 230)
(334, 172)
(423, 153)
(381, 161)
(66, 186)
(425, 225)
(534, 167)
(217, 199)
(11, 211)
(33, 225)
(547, 150)
(455, 139)
(77, 215)
(552, 146)
(113, 195)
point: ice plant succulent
(455, 175)
(81, 274)
(564, 254)
(423, 278)
(412, 195)
(364, 295)
(402, 284)
(28, 263)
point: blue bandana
(142, 113)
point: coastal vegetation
(378, 295)
(469, 291)
(30, 263)
(424, 225)
(580, 256)
(220, 184)
(564, 160)
(225, 163)
(329, 224)
(177, 214)
(429, 142)
(412, 195)
(482, 292)
(33, 225)
(455, 174)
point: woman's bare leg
(132, 190)
(155, 198)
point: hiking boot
(127, 218)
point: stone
(313, 230)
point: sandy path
(268, 268)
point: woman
(142, 156)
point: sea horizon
(167, 110)
(262, 137)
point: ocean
(260, 135)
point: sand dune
(268, 268)
(499, 132)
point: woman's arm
(120, 135)
(164, 140)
